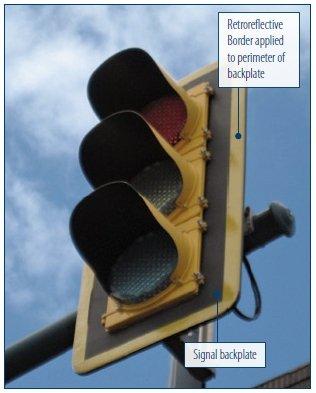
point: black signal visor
(129, 79)
(123, 147)
(132, 256)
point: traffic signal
(161, 232)
(141, 229)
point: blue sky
(50, 53)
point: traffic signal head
(153, 268)
(146, 159)
(131, 80)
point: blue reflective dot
(238, 135)
(217, 294)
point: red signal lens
(168, 115)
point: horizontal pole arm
(39, 347)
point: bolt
(203, 202)
(207, 133)
(206, 154)
(209, 90)
(203, 225)
(200, 279)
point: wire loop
(256, 292)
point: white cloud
(40, 258)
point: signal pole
(180, 378)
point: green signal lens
(161, 184)
(144, 268)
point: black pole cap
(283, 218)
(267, 226)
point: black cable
(256, 292)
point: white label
(225, 354)
(258, 49)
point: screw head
(203, 225)
(207, 133)
(203, 202)
(206, 154)
(209, 90)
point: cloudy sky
(50, 53)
